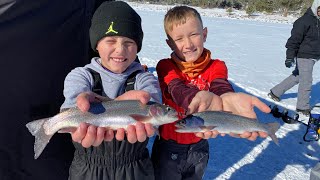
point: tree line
(284, 7)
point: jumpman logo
(110, 30)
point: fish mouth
(172, 113)
(180, 125)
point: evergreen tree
(269, 6)
(266, 5)
(250, 9)
(305, 5)
(287, 5)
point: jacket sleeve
(148, 82)
(220, 86)
(172, 85)
(77, 81)
(5, 5)
(297, 35)
(181, 93)
(166, 72)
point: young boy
(116, 34)
(192, 82)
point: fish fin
(157, 131)
(272, 129)
(207, 128)
(151, 103)
(35, 126)
(64, 109)
(41, 141)
(41, 138)
(104, 98)
(140, 118)
(67, 130)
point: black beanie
(115, 18)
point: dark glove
(289, 63)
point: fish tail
(272, 129)
(41, 138)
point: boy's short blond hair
(178, 15)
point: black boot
(305, 112)
(273, 97)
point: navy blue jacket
(305, 37)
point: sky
(254, 52)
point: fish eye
(168, 109)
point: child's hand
(89, 135)
(140, 95)
(208, 134)
(84, 99)
(243, 104)
(139, 132)
(205, 100)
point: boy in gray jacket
(116, 34)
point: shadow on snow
(226, 153)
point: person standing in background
(303, 49)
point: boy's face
(318, 11)
(117, 52)
(187, 39)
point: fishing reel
(313, 130)
(313, 127)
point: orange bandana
(195, 68)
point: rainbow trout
(109, 114)
(224, 122)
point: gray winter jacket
(80, 80)
(119, 160)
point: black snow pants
(115, 160)
(173, 161)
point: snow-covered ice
(254, 51)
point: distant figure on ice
(303, 50)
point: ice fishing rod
(313, 126)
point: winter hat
(315, 6)
(115, 18)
